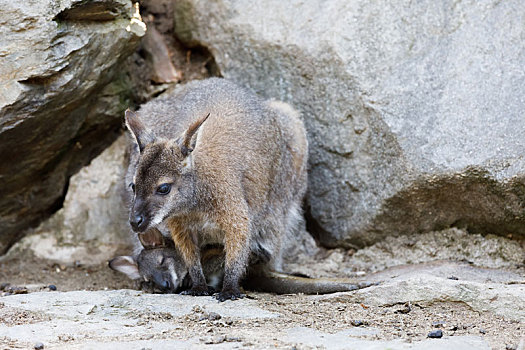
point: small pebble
(211, 316)
(438, 333)
(52, 287)
(214, 316)
(16, 290)
(406, 309)
(215, 340)
(39, 346)
(439, 324)
(197, 309)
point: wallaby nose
(136, 221)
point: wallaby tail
(280, 283)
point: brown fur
(235, 167)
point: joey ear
(142, 135)
(152, 238)
(127, 265)
(185, 140)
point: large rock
(499, 292)
(61, 98)
(91, 228)
(414, 109)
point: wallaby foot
(229, 294)
(198, 285)
(196, 291)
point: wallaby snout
(137, 222)
(138, 219)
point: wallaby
(163, 269)
(215, 164)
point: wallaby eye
(132, 186)
(164, 189)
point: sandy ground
(411, 323)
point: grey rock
(61, 95)
(92, 225)
(438, 333)
(484, 290)
(414, 110)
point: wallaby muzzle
(138, 220)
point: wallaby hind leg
(191, 256)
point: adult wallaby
(215, 164)
(159, 268)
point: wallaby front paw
(196, 292)
(229, 295)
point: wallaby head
(164, 180)
(158, 264)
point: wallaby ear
(185, 140)
(152, 238)
(127, 265)
(142, 135)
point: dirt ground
(412, 322)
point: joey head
(158, 266)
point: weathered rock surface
(61, 98)
(497, 291)
(452, 244)
(92, 225)
(96, 320)
(414, 110)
